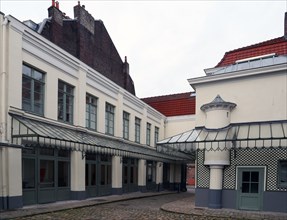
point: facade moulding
(245, 73)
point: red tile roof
(277, 45)
(173, 105)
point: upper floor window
(33, 84)
(65, 102)
(148, 129)
(126, 125)
(91, 112)
(137, 130)
(110, 119)
(283, 173)
(156, 135)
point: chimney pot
(53, 3)
(57, 4)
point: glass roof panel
(242, 132)
(278, 130)
(265, 131)
(193, 136)
(185, 136)
(253, 132)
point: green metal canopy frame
(38, 133)
(269, 134)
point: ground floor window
(151, 171)
(106, 170)
(45, 175)
(98, 174)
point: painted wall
(178, 124)
(259, 98)
(59, 65)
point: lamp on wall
(83, 154)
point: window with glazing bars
(110, 119)
(137, 130)
(91, 112)
(148, 129)
(33, 84)
(156, 135)
(126, 125)
(65, 102)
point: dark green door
(130, 175)
(250, 188)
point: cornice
(238, 74)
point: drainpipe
(3, 116)
(3, 98)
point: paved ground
(134, 206)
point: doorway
(250, 188)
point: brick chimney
(84, 17)
(56, 31)
(285, 26)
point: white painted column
(12, 178)
(159, 174)
(216, 176)
(142, 175)
(78, 175)
(117, 174)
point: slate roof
(174, 104)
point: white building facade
(67, 132)
(240, 134)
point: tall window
(33, 84)
(283, 173)
(156, 135)
(110, 119)
(126, 125)
(148, 129)
(91, 112)
(65, 102)
(137, 130)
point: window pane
(27, 71)
(47, 151)
(255, 177)
(283, 173)
(46, 173)
(125, 175)
(245, 187)
(103, 174)
(38, 76)
(63, 173)
(246, 176)
(109, 174)
(87, 174)
(28, 169)
(93, 175)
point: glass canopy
(245, 135)
(35, 133)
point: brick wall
(88, 40)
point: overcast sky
(168, 42)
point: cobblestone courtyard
(144, 208)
